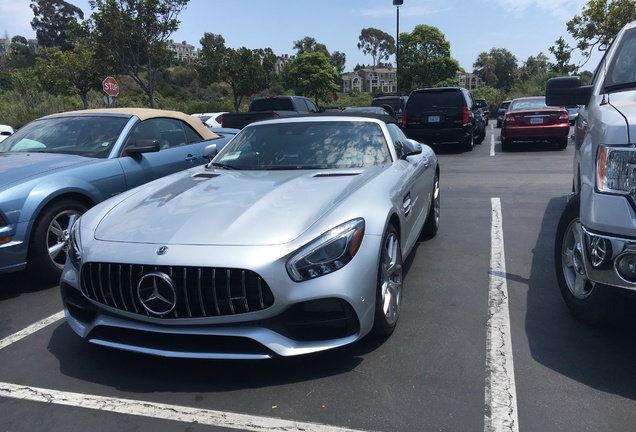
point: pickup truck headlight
(616, 170)
(328, 253)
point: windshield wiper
(221, 165)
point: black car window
(398, 138)
(435, 99)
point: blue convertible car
(56, 167)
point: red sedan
(530, 119)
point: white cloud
(563, 10)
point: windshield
(90, 136)
(307, 145)
(622, 71)
(529, 104)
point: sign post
(111, 88)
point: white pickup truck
(595, 247)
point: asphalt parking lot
(484, 342)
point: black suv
(441, 115)
(393, 103)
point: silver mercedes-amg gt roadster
(290, 241)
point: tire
(389, 285)
(562, 144)
(505, 144)
(47, 248)
(431, 226)
(469, 143)
(588, 301)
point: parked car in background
(54, 168)
(212, 120)
(442, 115)
(481, 123)
(369, 110)
(501, 112)
(291, 241)
(481, 103)
(392, 102)
(5, 131)
(529, 119)
(573, 112)
(266, 108)
(595, 246)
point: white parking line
(31, 329)
(149, 409)
(501, 394)
(163, 411)
(492, 144)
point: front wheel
(48, 246)
(587, 300)
(389, 284)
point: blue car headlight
(328, 253)
(75, 245)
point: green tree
(498, 68)
(309, 45)
(425, 58)
(247, 71)
(563, 54)
(53, 19)
(338, 60)
(75, 72)
(599, 23)
(133, 34)
(379, 44)
(210, 58)
(534, 66)
(313, 76)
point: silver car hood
(18, 166)
(228, 207)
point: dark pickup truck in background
(265, 108)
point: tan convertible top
(147, 113)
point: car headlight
(616, 170)
(75, 245)
(328, 253)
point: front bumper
(603, 255)
(305, 317)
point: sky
(523, 27)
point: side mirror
(567, 91)
(143, 146)
(210, 151)
(410, 147)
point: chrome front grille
(199, 291)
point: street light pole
(397, 4)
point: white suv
(595, 248)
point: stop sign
(110, 86)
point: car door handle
(191, 158)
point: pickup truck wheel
(48, 246)
(389, 286)
(587, 300)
